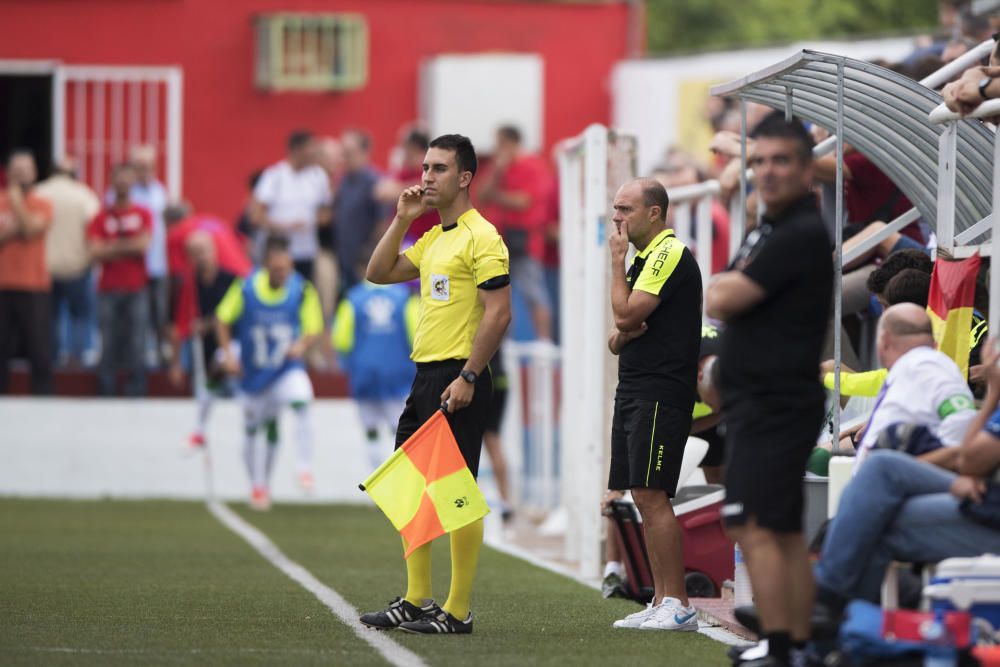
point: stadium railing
(693, 222)
(962, 244)
(592, 166)
(825, 147)
(883, 114)
(531, 424)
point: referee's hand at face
(411, 204)
(458, 394)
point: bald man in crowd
(910, 446)
(898, 507)
(925, 406)
(211, 282)
(149, 193)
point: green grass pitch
(164, 583)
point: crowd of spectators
(923, 454)
(871, 199)
(88, 280)
(328, 195)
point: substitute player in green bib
(464, 273)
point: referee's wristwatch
(469, 376)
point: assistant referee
(465, 308)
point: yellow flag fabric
(425, 488)
(950, 304)
(864, 383)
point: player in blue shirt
(373, 333)
(275, 316)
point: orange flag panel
(433, 449)
(424, 527)
(425, 487)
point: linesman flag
(425, 488)
(950, 304)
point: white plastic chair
(694, 454)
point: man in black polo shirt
(657, 311)
(775, 302)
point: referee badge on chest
(440, 287)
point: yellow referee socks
(465, 545)
(418, 575)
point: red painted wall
(230, 128)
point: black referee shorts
(468, 424)
(647, 444)
(769, 441)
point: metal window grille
(311, 52)
(100, 111)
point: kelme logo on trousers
(659, 458)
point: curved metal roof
(886, 118)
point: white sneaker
(636, 619)
(757, 652)
(672, 615)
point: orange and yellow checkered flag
(425, 488)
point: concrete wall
(137, 449)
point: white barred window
(311, 51)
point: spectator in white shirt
(924, 388)
(151, 194)
(292, 198)
(68, 259)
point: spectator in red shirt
(25, 286)
(518, 188)
(118, 238)
(550, 260)
(869, 195)
(411, 171)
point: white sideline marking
(341, 608)
(537, 561)
(722, 635)
(183, 651)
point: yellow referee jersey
(453, 262)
